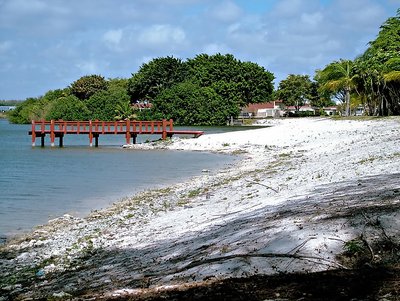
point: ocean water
(38, 184)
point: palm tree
(338, 77)
(124, 111)
(392, 89)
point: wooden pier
(129, 128)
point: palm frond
(393, 76)
(334, 85)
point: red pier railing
(130, 128)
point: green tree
(295, 90)
(154, 77)
(88, 85)
(121, 83)
(236, 83)
(338, 77)
(68, 108)
(52, 95)
(368, 81)
(388, 39)
(188, 103)
(391, 90)
(207, 69)
(26, 111)
(102, 105)
(246, 82)
(377, 77)
(124, 111)
(318, 98)
(255, 83)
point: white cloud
(362, 15)
(157, 35)
(88, 67)
(227, 11)
(113, 36)
(214, 48)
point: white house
(263, 110)
(7, 108)
(332, 110)
(304, 108)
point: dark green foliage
(55, 94)
(320, 99)
(220, 81)
(123, 111)
(295, 90)
(25, 112)
(206, 69)
(338, 78)
(188, 103)
(30, 109)
(303, 114)
(378, 79)
(68, 108)
(388, 39)
(88, 85)
(156, 76)
(373, 79)
(102, 105)
(245, 82)
(255, 83)
(149, 115)
(121, 83)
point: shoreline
(289, 205)
(25, 206)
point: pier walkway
(129, 128)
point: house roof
(142, 105)
(258, 106)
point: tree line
(209, 89)
(205, 90)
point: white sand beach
(300, 189)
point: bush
(88, 85)
(103, 104)
(30, 109)
(188, 103)
(68, 108)
(301, 114)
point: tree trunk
(347, 99)
(384, 106)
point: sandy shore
(301, 189)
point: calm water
(37, 184)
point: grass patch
(194, 193)
(284, 155)
(367, 160)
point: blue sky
(48, 44)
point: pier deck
(129, 128)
